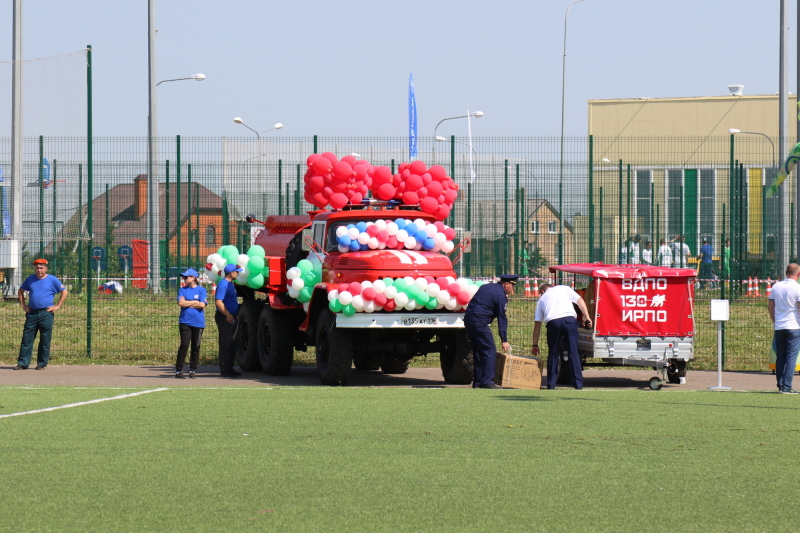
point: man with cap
(39, 314)
(191, 322)
(226, 318)
(706, 257)
(488, 303)
(555, 309)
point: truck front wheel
(275, 333)
(455, 357)
(247, 346)
(334, 347)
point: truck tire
(676, 370)
(334, 347)
(247, 336)
(393, 365)
(275, 336)
(455, 357)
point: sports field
(380, 459)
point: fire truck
(273, 324)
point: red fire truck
(273, 325)
(642, 315)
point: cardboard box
(518, 372)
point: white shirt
(556, 302)
(664, 255)
(647, 256)
(676, 254)
(786, 295)
(634, 258)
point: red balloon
(372, 230)
(454, 289)
(434, 188)
(319, 200)
(321, 166)
(368, 294)
(430, 279)
(462, 298)
(437, 172)
(355, 288)
(413, 182)
(449, 233)
(343, 287)
(403, 166)
(380, 299)
(429, 205)
(327, 191)
(356, 197)
(361, 171)
(391, 242)
(381, 175)
(350, 159)
(390, 305)
(316, 183)
(450, 196)
(439, 225)
(342, 170)
(338, 186)
(426, 178)
(442, 283)
(419, 168)
(338, 200)
(385, 192)
(310, 159)
(330, 157)
(410, 198)
(382, 236)
(443, 212)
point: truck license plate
(418, 321)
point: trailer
(642, 315)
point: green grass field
(364, 459)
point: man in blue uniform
(227, 322)
(488, 303)
(39, 314)
(191, 322)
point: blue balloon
(401, 223)
(428, 244)
(362, 227)
(344, 240)
(354, 246)
(421, 235)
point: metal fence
(523, 205)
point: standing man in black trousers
(227, 322)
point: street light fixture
(476, 114)
(275, 126)
(197, 77)
(734, 131)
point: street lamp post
(561, 167)
(476, 114)
(734, 131)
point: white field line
(120, 397)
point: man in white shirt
(784, 310)
(556, 311)
(647, 253)
(664, 256)
(680, 252)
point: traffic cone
(527, 288)
(769, 288)
(213, 289)
(749, 288)
(536, 287)
(756, 294)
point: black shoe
(41, 367)
(491, 386)
(20, 367)
(180, 375)
(230, 374)
(192, 374)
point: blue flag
(412, 119)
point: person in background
(633, 253)
(784, 310)
(623, 252)
(226, 318)
(39, 314)
(664, 255)
(647, 253)
(725, 267)
(680, 252)
(555, 309)
(191, 322)
(488, 303)
(706, 254)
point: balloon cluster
(253, 263)
(334, 182)
(431, 188)
(399, 294)
(329, 181)
(396, 234)
(303, 277)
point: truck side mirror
(306, 240)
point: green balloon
(431, 304)
(256, 264)
(388, 281)
(400, 284)
(305, 294)
(231, 255)
(256, 281)
(335, 305)
(422, 299)
(256, 251)
(349, 310)
(265, 272)
(305, 265)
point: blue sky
(341, 68)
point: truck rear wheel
(334, 347)
(393, 365)
(275, 334)
(455, 357)
(676, 370)
(247, 345)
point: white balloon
(463, 283)
(306, 305)
(451, 304)
(363, 238)
(373, 243)
(298, 284)
(422, 283)
(431, 230)
(390, 292)
(293, 273)
(391, 228)
(402, 235)
(379, 286)
(242, 278)
(471, 290)
(213, 258)
(420, 223)
(353, 233)
(411, 305)
(448, 247)
(369, 307)
(443, 297)
(334, 294)
(344, 249)
(294, 293)
(341, 231)
(345, 297)
(358, 302)
(433, 290)
(418, 246)
(380, 224)
(366, 283)
(242, 260)
(450, 280)
(401, 299)
(220, 263)
(439, 238)
(439, 305)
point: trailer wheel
(247, 345)
(455, 357)
(656, 383)
(676, 370)
(334, 347)
(275, 334)
(393, 365)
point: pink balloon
(391, 242)
(372, 230)
(343, 287)
(355, 288)
(380, 299)
(390, 305)
(385, 192)
(437, 172)
(450, 233)
(382, 175)
(382, 236)
(441, 282)
(434, 188)
(439, 225)
(429, 205)
(462, 298)
(330, 157)
(350, 159)
(454, 289)
(410, 198)
(413, 182)
(342, 170)
(322, 166)
(419, 168)
(368, 294)
(316, 183)
(338, 200)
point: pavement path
(160, 376)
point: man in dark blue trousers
(488, 303)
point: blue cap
(508, 278)
(232, 268)
(189, 272)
